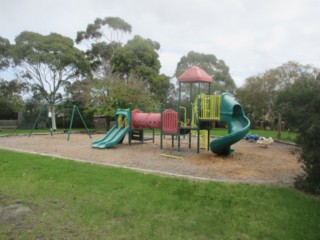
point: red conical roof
(194, 75)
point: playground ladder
(204, 139)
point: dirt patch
(277, 164)
(13, 211)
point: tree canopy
(11, 100)
(139, 58)
(116, 26)
(104, 36)
(4, 52)
(222, 80)
(121, 72)
(264, 89)
(302, 99)
(48, 63)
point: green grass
(36, 131)
(70, 200)
(286, 135)
(25, 131)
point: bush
(310, 157)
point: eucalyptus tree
(139, 58)
(104, 36)
(215, 67)
(48, 63)
(4, 51)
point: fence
(9, 124)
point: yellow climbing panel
(210, 107)
(204, 139)
(210, 110)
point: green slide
(116, 133)
(113, 137)
(232, 113)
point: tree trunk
(279, 126)
(53, 118)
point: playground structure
(75, 110)
(205, 111)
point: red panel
(170, 121)
(195, 74)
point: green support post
(198, 120)
(71, 121)
(172, 141)
(153, 130)
(75, 109)
(142, 107)
(161, 121)
(179, 103)
(130, 120)
(83, 122)
(36, 122)
(208, 140)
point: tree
(11, 98)
(47, 64)
(264, 89)
(117, 27)
(4, 51)
(303, 113)
(78, 93)
(139, 59)
(213, 66)
(105, 37)
(109, 94)
(257, 97)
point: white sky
(251, 36)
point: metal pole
(36, 122)
(84, 123)
(161, 123)
(179, 103)
(71, 121)
(198, 120)
(208, 138)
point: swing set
(75, 110)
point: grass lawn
(287, 136)
(49, 198)
(38, 131)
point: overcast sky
(251, 36)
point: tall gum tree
(104, 36)
(101, 39)
(4, 49)
(139, 58)
(215, 67)
(48, 64)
